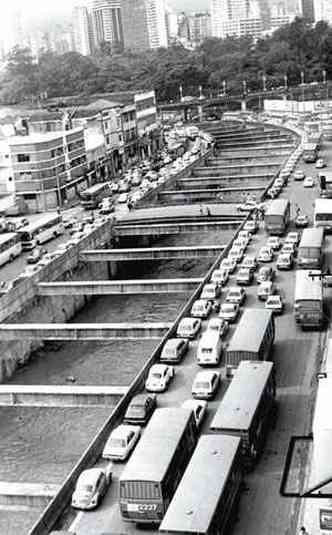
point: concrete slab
(151, 253)
(27, 494)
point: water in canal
(41, 445)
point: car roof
(140, 399)
(90, 475)
(123, 430)
(173, 343)
(205, 374)
(188, 321)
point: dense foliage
(216, 64)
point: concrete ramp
(26, 494)
(118, 287)
(60, 395)
(83, 331)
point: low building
(47, 169)
(148, 129)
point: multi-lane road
(296, 355)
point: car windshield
(202, 385)
(156, 375)
(206, 350)
(85, 487)
(227, 308)
(135, 410)
(273, 300)
(117, 443)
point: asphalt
(296, 355)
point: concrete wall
(23, 305)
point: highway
(296, 356)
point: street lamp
(264, 82)
(244, 85)
(180, 91)
(224, 87)
(200, 92)
(325, 83)
(302, 85)
(286, 81)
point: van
(209, 349)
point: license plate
(141, 507)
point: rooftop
(40, 138)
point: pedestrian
(201, 211)
(208, 212)
(303, 531)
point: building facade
(47, 168)
(323, 10)
(82, 30)
(144, 24)
(107, 23)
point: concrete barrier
(26, 494)
(60, 395)
(55, 508)
(151, 253)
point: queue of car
(206, 383)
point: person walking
(303, 531)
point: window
(23, 158)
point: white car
(236, 254)
(236, 294)
(278, 183)
(121, 442)
(265, 289)
(241, 242)
(274, 243)
(275, 303)
(320, 164)
(229, 264)
(247, 206)
(299, 175)
(285, 261)
(205, 385)
(201, 308)
(199, 409)
(218, 325)
(288, 248)
(123, 197)
(292, 237)
(229, 312)
(188, 327)
(211, 290)
(308, 182)
(245, 235)
(159, 377)
(249, 262)
(265, 254)
(220, 276)
(251, 226)
(91, 487)
(114, 187)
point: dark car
(36, 254)
(140, 409)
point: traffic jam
(214, 385)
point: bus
(40, 231)
(277, 217)
(205, 502)
(309, 152)
(256, 346)
(308, 299)
(91, 197)
(157, 464)
(248, 407)
(10, 247)
(310, 252)
(323, 214)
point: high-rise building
(144, 24)
(200, 27)
(251, 17)
(306, 8)
(171, 23)
(323, 10)
(82, 30)
(107, 22)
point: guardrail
(59, 503)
